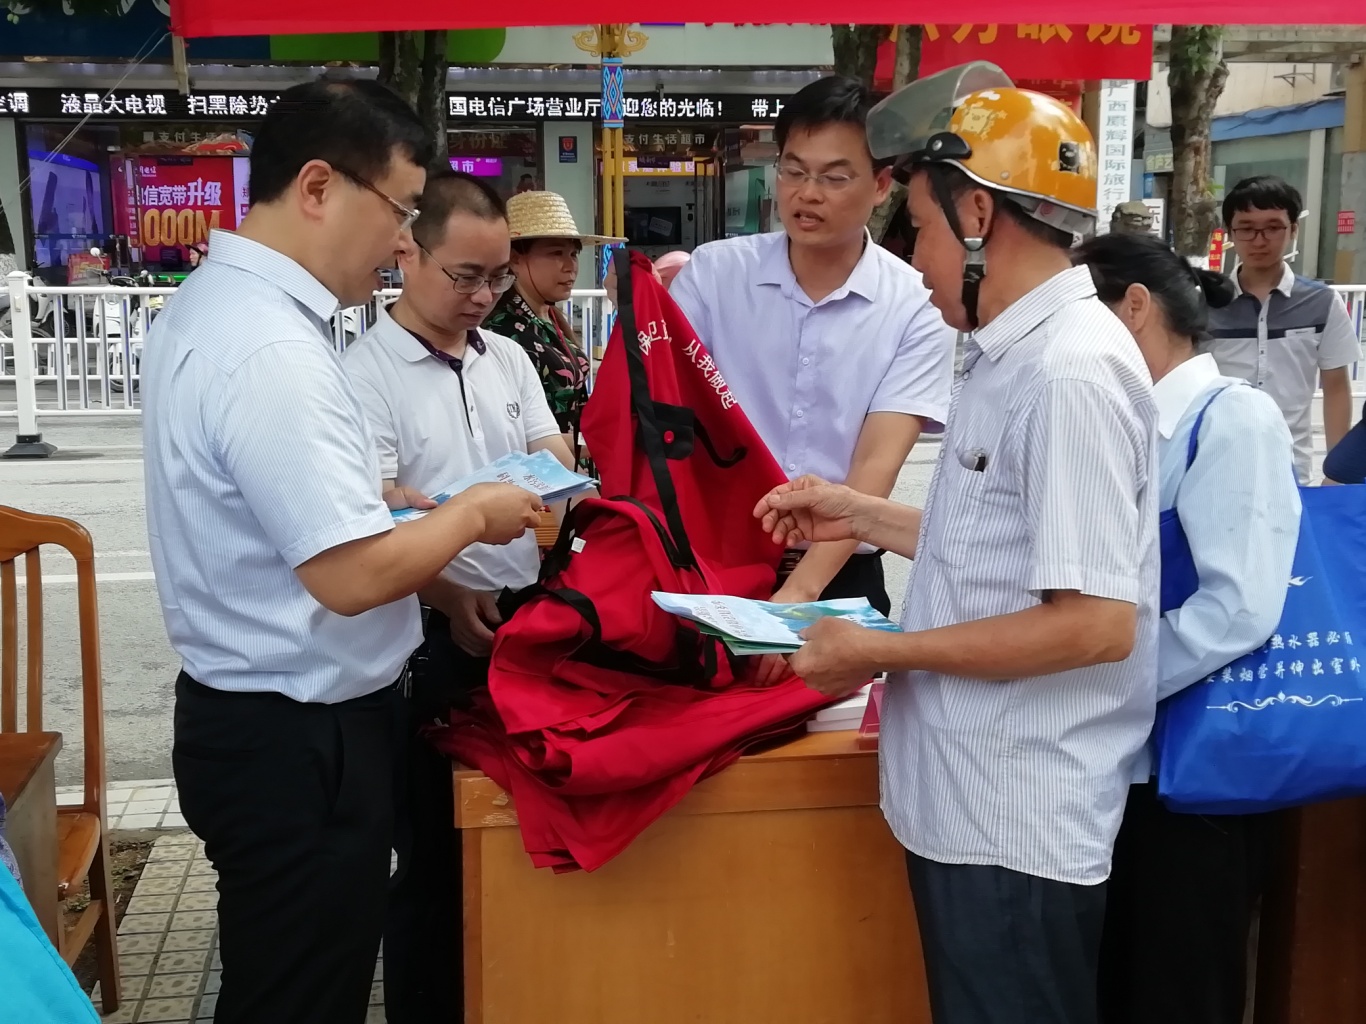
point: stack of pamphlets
(541, 474)
(843, 714)
(761, 627)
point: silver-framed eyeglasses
(831, 181)
(469, 284)
(406, 215)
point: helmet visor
(901, 125)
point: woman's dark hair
(1185, 293)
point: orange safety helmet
(1031, 148)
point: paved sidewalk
(168, 940)
(150, 803)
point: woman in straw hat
(545, 257)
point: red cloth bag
(602, 709)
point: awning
(197, 18)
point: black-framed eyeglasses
(1273, 233)
(406, 215)
(469, 284)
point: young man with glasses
(1283, 333)
(828, 341)
(445, 398)
(286, 587)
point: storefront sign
(1116, 147)
(569, 149)
(587, 107)
(479, 166)
(1085, 52)
(670, 138)
(169, 105)
(178, 200)
(1216, 251)
(1347, 222)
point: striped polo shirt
(1282, 346)
(1046, 481)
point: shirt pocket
(958, 511)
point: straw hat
(546, 215)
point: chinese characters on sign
(235, 105)
(1115, 148)
(195, 193)
(542, 107)
(1078, 52)
(14, 103)
(670, 139)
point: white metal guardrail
(76, 349)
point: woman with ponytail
(1183, 888)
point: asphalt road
(97, 479)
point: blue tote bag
(1286, 724)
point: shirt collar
(1285, 285)
(415, 348)
(1026, 313)
(1175, 392)
(776, 268)
(251, 257)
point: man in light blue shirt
(829, 342)
(286, 588)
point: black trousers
(861, 576)
(423, 948)
(1003, 947)
(292, 801)
(1183, 891)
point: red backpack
(602, 709)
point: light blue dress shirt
(807, 374)
(1239, 506)
(258, 458)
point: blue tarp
(1328, 112)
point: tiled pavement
(150, 804)
(168, 939)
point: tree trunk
(1196, 77)
(855, 49)
(414, 65)
(907, 67)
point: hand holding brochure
(761, 627)
(541, 474)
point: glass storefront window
(69, 191)
(509, 159)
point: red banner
(1075, 52)
(194, 18)
(176, 201)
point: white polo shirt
(430, 432)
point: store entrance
(671, 207)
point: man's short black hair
(1263, 192)
(450, 192)
(355, 125)
(832, 100)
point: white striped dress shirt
(1046, 481)
(259, 458)
(1239, 507)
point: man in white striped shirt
(1024, 686)
(287, 589)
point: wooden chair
(82, 837)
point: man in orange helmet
(1023, 687)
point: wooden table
(774, 892)
(28, 784)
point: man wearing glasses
(286, 587)
(445, 398)
(1283, 333)
(828, 341)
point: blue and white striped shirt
(1239, 507)
(1046, 481)
(258, 458)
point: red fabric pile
(602, 710)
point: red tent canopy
(195, 18)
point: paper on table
(541, 473)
